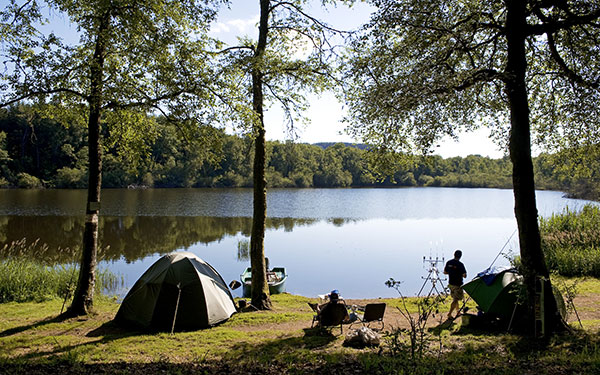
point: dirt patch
(587, 309)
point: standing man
(456, 273)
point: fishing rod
(433, 275)
(502, 250)
(491, 265)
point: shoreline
(279, 341)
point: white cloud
(244, 26)
(325, 115)
(237, 26)
(219, 27)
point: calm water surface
(347, 239)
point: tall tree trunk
(260, 288)
(84, 294)
(532, 257)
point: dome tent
(496, 292)
(179, 282)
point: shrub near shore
(571, 241)
(23, 279)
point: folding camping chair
(331, 315)
(373, 314)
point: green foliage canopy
(154, 58)
(422, 70)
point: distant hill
(324, 145)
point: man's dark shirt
(455, 270)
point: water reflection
(359, 256)
(347, 239)
(324, 204)
(127, 237)
(243, 253)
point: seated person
(334, 299)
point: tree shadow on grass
(192, 368)
(111, 331)
(482, 326)
(116, 331)
(106, 333)
(261, 355)
(446, 325)
(519, 340)
(280, 351)
(279, 348)
(26, 327)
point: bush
(23, 279)
(426, 180)
(28, 181)
(230, 179)
(71, 178)
(148, 180)
(276, 179)
(302, 179)
(407, 179)
(571, 241)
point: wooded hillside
(40, 152)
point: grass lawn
(33, 341)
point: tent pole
(176, 307)
(511, 318)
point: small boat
(276, 278)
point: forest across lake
(40, 152)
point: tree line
(39, 152)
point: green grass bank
(33, 340)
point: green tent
(179, 283)
(496, 293)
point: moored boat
(276, 278)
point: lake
(347, 239)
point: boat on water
(276, 278)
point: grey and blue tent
(179, 290)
